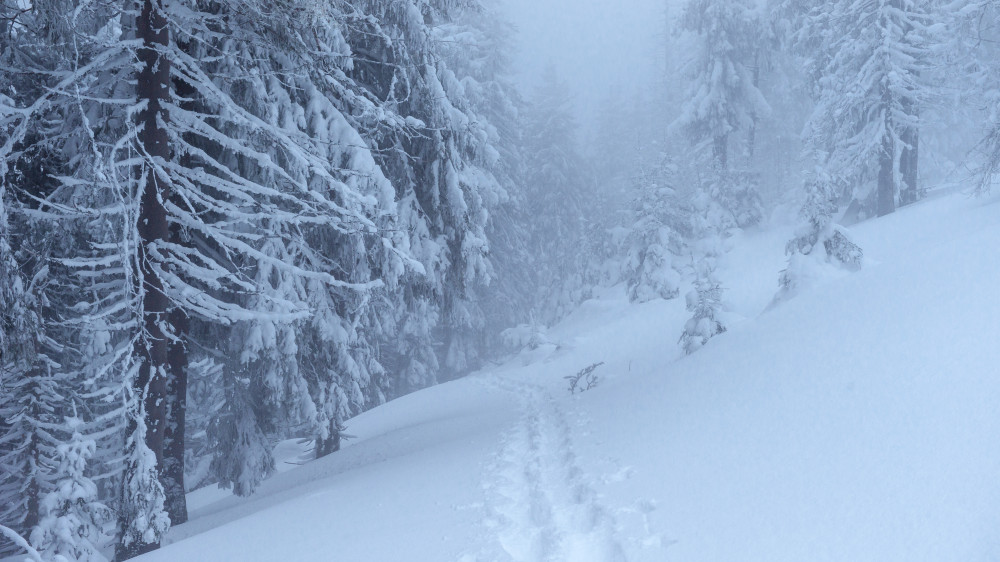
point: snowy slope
(857, 421)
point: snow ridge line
(539, 501)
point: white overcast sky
(594, 44)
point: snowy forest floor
(857, 421)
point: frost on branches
(71, 517)
(819, 243)
(556, 187)
(869, 62)
(705, 304)
(142, 518)
(653, 241)
(735, 193)
(724, 103)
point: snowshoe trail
(540, 504)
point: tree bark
(886, 196)
(908, 166)
(752, 132)
(172, 473)
(331, 444)
(152, 347)
(32, 490)
(908, 191)
(719, 150)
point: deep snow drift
(856, 421)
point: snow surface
(857, 421)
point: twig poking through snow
(583, 380)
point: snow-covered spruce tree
(260, 377)
(654, 239)
(866, 68)
(974, 53)
(18, 506)
(624, 149)
(818, 240)
(477, 47)
(71, 517)
(65, 338)
(71, 54)
(705, 304)
(205, 400)
(202, 177)
(707, 227)
(30, 393)
(483, 120)
(293, 363)
(61, 369)
(41, 363)
(434, 152)
(724, 99)
(328, 369)
(557, 187)
(64, 370)
(29, 390)
(378, 91)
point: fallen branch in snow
(583, 380)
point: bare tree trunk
(720, 148)
(32, 490)
(172, 472)
(908, 162)
(885, 196)
(332, 443)
(752, 133)
(909, 191)
(152, 347)
(885, 200)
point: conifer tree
(705, 304)
(236, 192)
(188, 187)
(558, 187)
(819, 240)
(724, 99)
(70, 515)
(655, 237)
(973, 52)
(31, 394)
(439, 152)
(867, 60)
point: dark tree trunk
(752, 133)
(720, 148)
(172, 473)
(152, 347)
(32, 490)
(885, 198)
(332, 443)
(885, 195)
(909, 192)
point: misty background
(597, 47)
